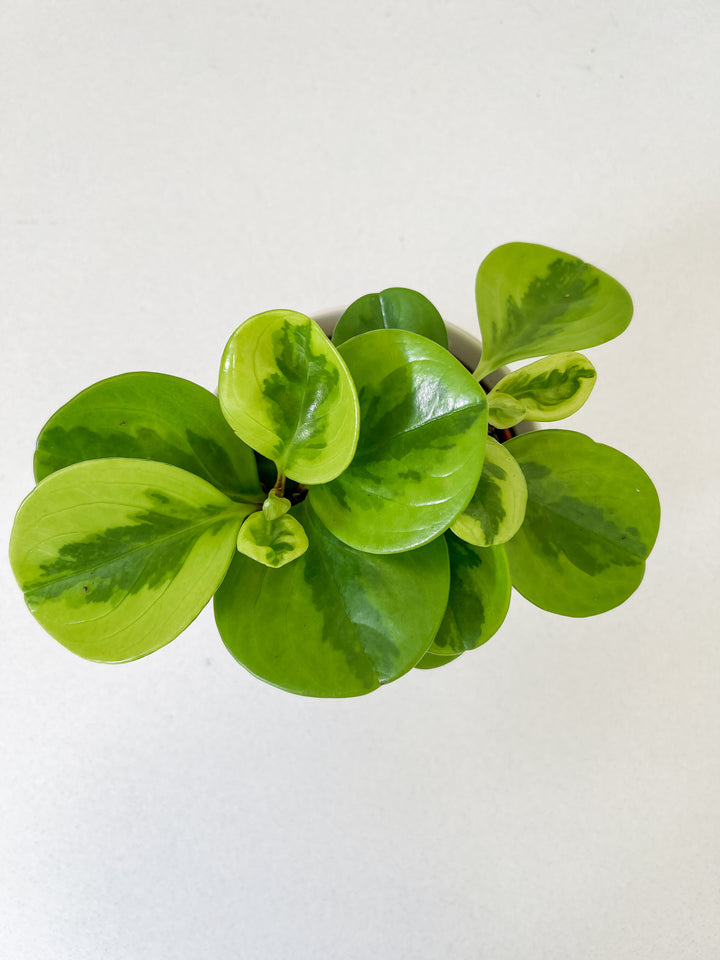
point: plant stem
(279, 487)
(482, 370)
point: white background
(170, 168)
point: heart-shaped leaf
(150, 416)
(285, 390)
(533, 300)
(336, 621)
(396, 308)
(270, 536)
(419, 456)
(592, 518)
(497, 507)
(479, 597)
(116, 557)
(549, 389)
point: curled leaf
(275, 506)
(504, 411)
(549, 389)
(497, 507)
(271, 537)
(285, 391)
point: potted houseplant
(356, 506)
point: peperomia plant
(356, 506)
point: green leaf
(497, 507)
(419, 456)
(479, 597)
(534, 300)
(592, 518)
(432, 660)
(275, 506)
(150, 416)
(549, 389)
(336, 622)
(395, 308)
(270, 536)
(504, 411)
(116, 557)
(285, 390)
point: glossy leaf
(150, 416)
(592, 518)
(432, 660)
(395, 308)
(504, 411)
(479, 597)
(116, 557)
(336, 622)
(285, 390)
(275, 506)
(497, 507)
(549, 389)
(419, 456)
(270, 536)
(533, 300)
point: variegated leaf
(336, 622)
(533, 300)
(504, 411)
(419, 456)
(592, 518)
(497, 507)
(395, 308)
(285, 390)
(479, 597)
(271, 536)
(116, 557)
(549, 389)
(150, 416)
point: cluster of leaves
(342, 500)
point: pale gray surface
(171, 168)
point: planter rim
(463, 345)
